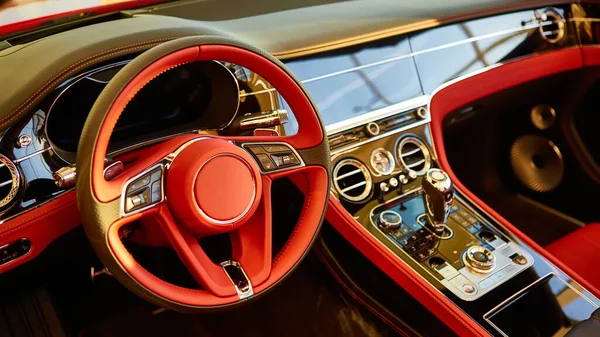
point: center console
(386, 175)
(462, 251)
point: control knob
(389, 220)
(480, 259)
(65, 176)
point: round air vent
(352, 180)
(552, 26)
(413, 155)
(9, 181)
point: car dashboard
(375, 99)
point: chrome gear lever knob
(439, 193)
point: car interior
(304, 168)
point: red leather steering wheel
(198, 185)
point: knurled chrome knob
(389, 220)
(480, 259)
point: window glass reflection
(355, 85)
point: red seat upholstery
(580, 251)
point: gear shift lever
(439, 193)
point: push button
(468, 289)
(294, 160)
(285, 160)
(518, 259)
(276, 148)
(280, 161)
(265, 163)
(156, 191)
(14, 250)
(464, 285)
(155, 175)
(137, 201)
(256, 149)
(138, 184)
(144, 190)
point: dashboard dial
(382, 161)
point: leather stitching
(74, 68)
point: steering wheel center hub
(213, 186)
(225, 188)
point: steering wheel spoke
(209, 275)
(251, 243)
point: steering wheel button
(137, 201)
(265, 163)
(156, 191)
(138, 184)
(256, 149)
(277, 148)
(155, 175)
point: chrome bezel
(363, 168)
(390, 158)
(15, 180)
(421, 145)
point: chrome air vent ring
(552, 26)
(413, 155)
(352, 180)
(10, 176)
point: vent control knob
(65, 176)
(372, 129)
(384, 187)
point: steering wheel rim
(102, 203)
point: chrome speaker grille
(352, 180)
(413, 155)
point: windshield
(13, 11)
(16, 13)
